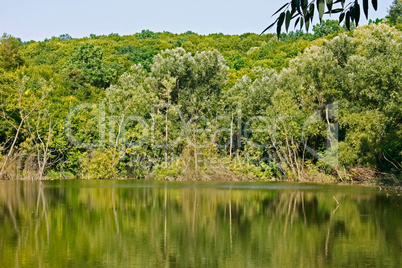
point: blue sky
(40, 19)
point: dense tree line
(324, 105)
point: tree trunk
(11, 149)
(166, 137)
(45, 151)
(239, 118)
(329, 134)
(231, 136)
(117, 138)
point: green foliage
(199, 78)
(86, 66)
(65, 37)
(202, 107)
(395, 12)
(362, 145)
(142, 55)
(261, 171)
(237, 61)
(303, 13)
(99, 164)
(10, 55)
(326, 27)
(167, 173)
(145, 34)
(297, 35)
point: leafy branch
(303, 12)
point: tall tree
(10, 55)
(85, 66)
(128, 97)
(326, 27)
(199, 78)
(395, 12)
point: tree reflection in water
(136, 223)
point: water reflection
(135, 223)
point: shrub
(99, 164)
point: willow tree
(303, 12)
(362, 73)
(198, 82)
(127, 100)
(199, 78)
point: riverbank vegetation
(324, 106)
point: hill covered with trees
(322, 106)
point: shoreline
(372, 183)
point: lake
(77, 223)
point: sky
(40, 19)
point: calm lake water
(158, 224)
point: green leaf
(270, 26)
(307, 24)
(280, 23)
(365, 8)
(320, 8)
(299, 6)
(297, 21)
(279, 10)
(329, 5)
(341, 17)
(304, 4)
(375, 4)
(357, 14)
(347, 22)
(301, 23)
(288, 18)
(342, 3)
(294, 5)
(311, 11)
(334, 11)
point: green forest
(323, 106)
